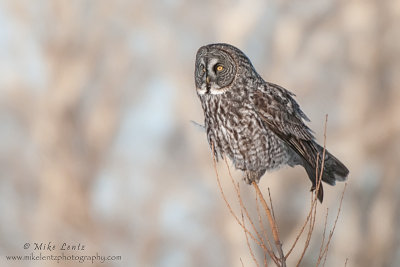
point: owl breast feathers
(257, 124)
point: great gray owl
(257, 124)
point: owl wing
(283, 116)
(281, 112)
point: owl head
(216, 68)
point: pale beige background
(96, 145)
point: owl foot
(253, 176)
(320, 193)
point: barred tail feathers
(333, 171)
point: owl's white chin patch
(213, 90)
(219, 91)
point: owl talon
(247, 179)
(253, 176)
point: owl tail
(333, 171)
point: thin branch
(227, 203)
(302, 228)
(248, 243)
(263, 230)
(334, 225)
(272, 206)
(262, 227)
(323, 154)
(311, 227)
(323, 236)
(273, 225)
(318, 179)
(237, 189)
(310, 213)
(270, 252)
(259, 243)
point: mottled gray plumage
(257, 124)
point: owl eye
(219, 68)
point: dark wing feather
(283, 116)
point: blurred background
(97, 148)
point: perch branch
(272, 224)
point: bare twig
(302, 228)
(227, 203)
(311, 225)
(259, 243)
(243, 207)
(248, 243)
(273, 225)
(323, 235)
(262, 227)
(263, 230)
(313, 209)
(272, 206)
(310, 218)
(323, 156)
(325, 252)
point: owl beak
(208, 86)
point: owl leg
(250, 176)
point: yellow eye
(219, 68)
